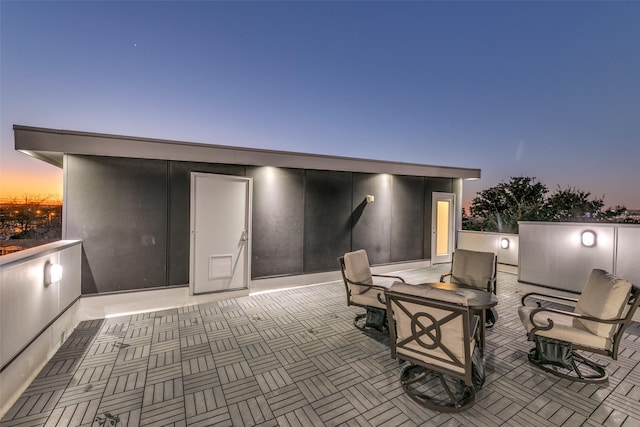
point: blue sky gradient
(544, 89)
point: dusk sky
(543, 89)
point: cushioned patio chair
(602, 312)
(433, 330)
(363, 292)
(477, 270)
(473, 268)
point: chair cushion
(472, 268)
(367, 296)
(605, 296)
(565, 328)
(357, 267)
(414, 350)
(452, 332)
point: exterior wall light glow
(369, 198)
(588, 238)
(52, 273)
(504, 243)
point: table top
(476, 298)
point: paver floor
(294, 358)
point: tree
(572, 204)
(618, 214)
(500, 208)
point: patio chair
(433, 330)
(602, 312)
(363, 292)
(478, 270)
(473, 268)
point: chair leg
(363, 323)
(359, 321)
(581, 369)
(435, 391)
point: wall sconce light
(52, 273)
(369, 198)
(504, 243)
(588, 238)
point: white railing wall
(552, 253)
(490, 242)
(34, 319)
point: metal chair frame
(581, 368)
(418, 377)
(360, 319)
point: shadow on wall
(356, 214)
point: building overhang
(50, 145)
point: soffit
(49, 145)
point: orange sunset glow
(45, 184)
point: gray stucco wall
(408, 218)
(118, 208)
(278, 221)
(133, 218)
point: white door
(442, 227)
(220, 233)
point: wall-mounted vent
(220, 266)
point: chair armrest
(443, 276)
(368, 288)
(546, 298)
(367, 285)
(390, 277)
(549, 325)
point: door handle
(245, 236)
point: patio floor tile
(294, 358)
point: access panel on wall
(220, 233)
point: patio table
(478, 300)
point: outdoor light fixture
(504, 243)
(369, 198)
(588, 238)
(52, 273)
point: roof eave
(49, 145)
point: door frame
(451, 198)
(192, 225)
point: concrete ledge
(126, 303)
(507, 268)
(275, 283)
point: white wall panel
(551, 254)
(71, 260)
(628, 253)
(490, 242)
(27, 305)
